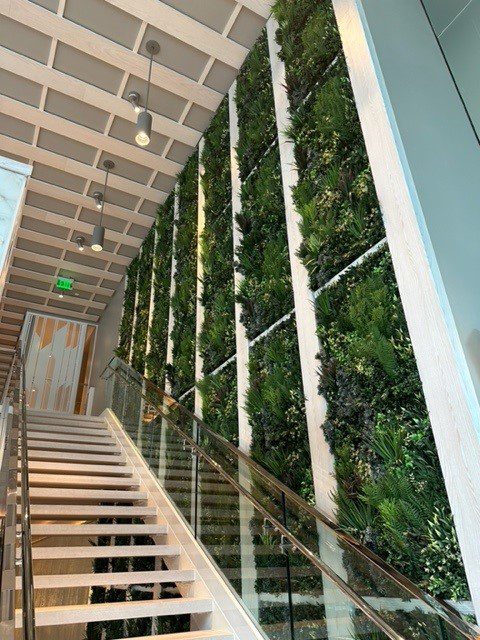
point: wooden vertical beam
(168, 386)
(200, 309)
(151, 304)
(244, 428)
(308, 344)
(424, 159)
(134, 321)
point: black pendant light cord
(149, 80)
(104, 195)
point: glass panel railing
(297, 575)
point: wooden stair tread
(67, 437)
(64, 581)
(75, 456)
(71, 467)
(88, 511)
(99, 529)
(99, 495)
(73, 480)
(107, 551)
(74, 446)
(78, 614)
(189, 635)
(69, 429)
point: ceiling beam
(58, 311)
(47, 279)
(82, 227)
(60, 243)
(186, 29)
(65, 265)
(10, 314)
(93, 44)
(74, 88)
(80, 200)
(260, 7)
(69, 129)
(50, 295)
(9, 327)
(51, 159)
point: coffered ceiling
(66, 67)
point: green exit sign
(65, 284)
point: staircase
(91, 515)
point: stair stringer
(228, 612)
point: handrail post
(28, 604)
(288, 572)
(197, 464)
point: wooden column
(168, 386)
(134, 320)
(244, 428)
(200, 309)
(308, 344)
(425, 163)
(151, 304)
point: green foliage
(276, 408)
(391, 491)
(125, 331)
(219, 398)
(156, 359)
(255, 107)
(182, 371)
(335, 195)
(217, 337)
(265, 293)
(144, 280)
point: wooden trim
(100, 141)
(89, 94)
(82, 200)
(200, 313)
(65, 265)
(186, 29)
(55, 160)
(173, 286)
(42, 238)
(242, 347)
(76, 36)
(315, 405)
(78, 225)
(50, 295)
(260, 7)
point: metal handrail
(441, 608)
(8, 486)
(28, 602)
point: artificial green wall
(157, 357)
(125, 330)
(391, 491)
(184, 302)
(144, 282)
(217, 336)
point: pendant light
(144, 121)
(98, 235)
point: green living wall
(391, 491)
(157, 357)
(125, 331)
(144, 280)
(219, 401)
(184, 303)
(217, 336)
(266, 291)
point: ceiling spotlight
(60, 295)
(98, 235)
(134, 99)
(98, 197)
(144, 121)
(80, 240)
